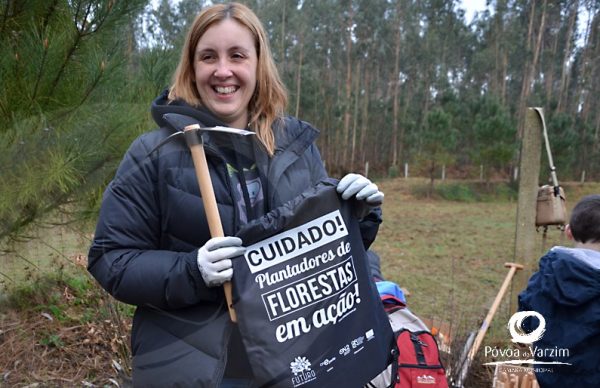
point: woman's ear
(568, 232)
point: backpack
(418, 359)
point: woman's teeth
(225, 89)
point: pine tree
(65, 106)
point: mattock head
(189, 127)
(192, 138)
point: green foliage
(456, 192)
(79, 285)
(31, 294)
(56, 311)
(467, 191)
(564, 137)
(65, 110)
(52, 340)
(78, 77)
(439, 138)
(493, 134)
(68, 297)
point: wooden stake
(529, 171)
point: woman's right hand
(214, 259)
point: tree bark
(396, 80)
(355, 115)
(348, 95)
(299, 75)
(564, 76)
(365, 116)
(530, 67)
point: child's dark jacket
(566, 292)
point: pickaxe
(191, 132)
(514, 267)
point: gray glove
(214, 259)
(363, 188)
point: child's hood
(571, 275)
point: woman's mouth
(225, 89)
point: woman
(152, 246)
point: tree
(494, 133)
(65, 112)
(439, 138)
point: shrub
(467, 191)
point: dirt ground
(81, 355)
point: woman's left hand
(361, 187)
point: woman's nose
(223, 69)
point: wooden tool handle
(212, 211)
(488, 319)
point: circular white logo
(516, 329)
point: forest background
(387, 82)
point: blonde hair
(269, 100)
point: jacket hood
(571, 276)
(162, 105)
(291, 135)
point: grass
(448, 254)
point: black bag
(307, 309)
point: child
(566, 292)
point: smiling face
(225, 63)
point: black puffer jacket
(151, 225)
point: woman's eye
(206, 57)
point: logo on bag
(345, 350)
(301, 368)
(327, 361)
(426, 379)
(357, 342)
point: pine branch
(82, 32)
(60, 72)
(49, 14)
(77, 11)
(73, 48)
(41, 70)
(99, 22)
(87, 93)
(46, 21)
(84, 22)
(4, 17)
(55, 199)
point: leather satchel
(551, 206)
